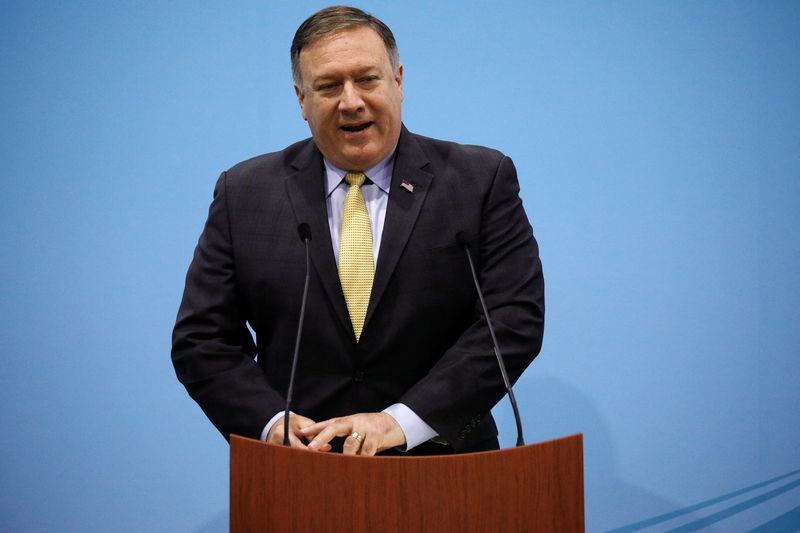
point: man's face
(351, 97)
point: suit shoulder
(469, 154)
(273, 165)
(465, 158)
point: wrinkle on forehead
(323, 53)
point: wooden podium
(538, 487)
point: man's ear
(398, 78)
(300, 98)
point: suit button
(358, 377)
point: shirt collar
(380, 174)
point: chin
(361, 161)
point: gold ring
(358, 437)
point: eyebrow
(327, 78)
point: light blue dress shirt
(376, 197)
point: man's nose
(351, 100)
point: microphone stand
(305, 236)
(500, 363)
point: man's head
(349, 82)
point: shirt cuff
(414, 428)
(265, 431)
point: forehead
(359, 47)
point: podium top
(538, 487)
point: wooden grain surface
(538, 487)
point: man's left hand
(377, 432)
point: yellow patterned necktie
(356, 268)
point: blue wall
(658, 146)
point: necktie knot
(355, 179)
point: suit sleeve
(212, 349)
(465, 383)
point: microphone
(463, 242)
(305, 236)
(305, 233)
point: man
(395, 355)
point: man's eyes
(334, 86)
(327, 86)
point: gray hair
(335, 19)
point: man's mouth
(357, 127)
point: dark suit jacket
(424, 342)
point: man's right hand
(296, 439)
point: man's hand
(378, 432)
(296, 438)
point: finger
(303, 422)
(326, 435)
(370, 445)
(352, 445)
(315, 428)
(295, 441)
(296, 437)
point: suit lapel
(306, 191)
(401, 212)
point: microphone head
(305, 232)
(461, 239)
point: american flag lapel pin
(407, 186)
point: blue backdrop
(658, 147)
